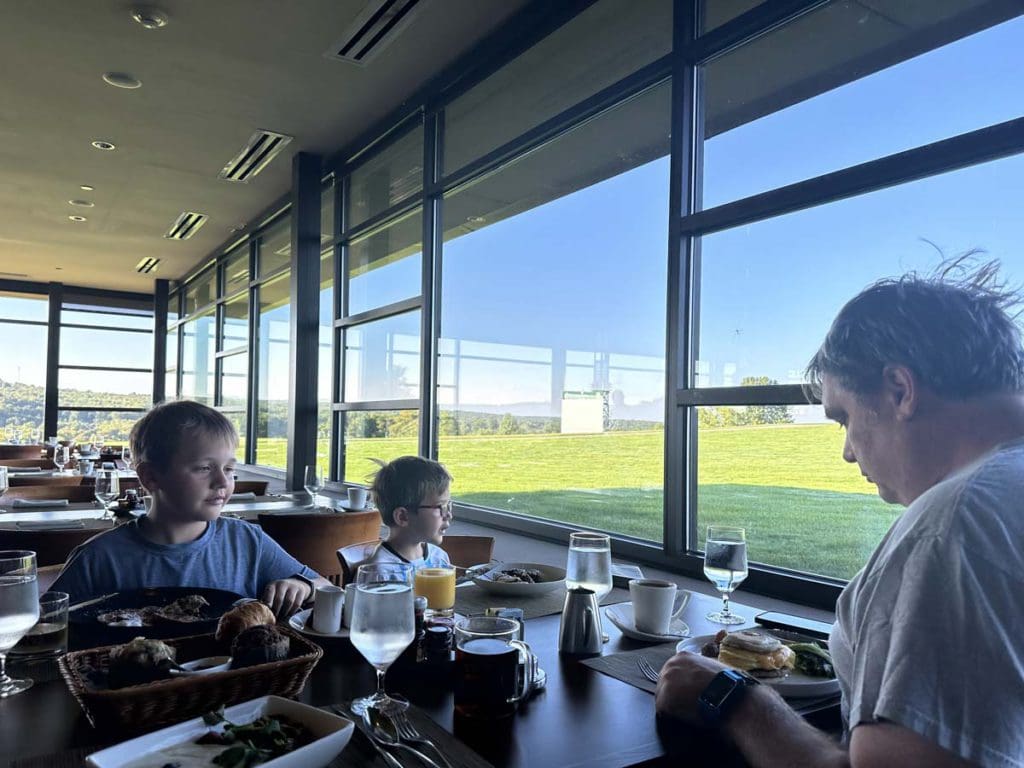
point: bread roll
(241, 618)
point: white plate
(621, 616)
(792, 685)
(554, 578)
(303, 622)
(331, 731)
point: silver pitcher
(580, 631)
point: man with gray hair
(926, 375)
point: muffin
(140, 661)
(241, 618)
(259, 645)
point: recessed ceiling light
(106, 146)
(81, 203)
(86, 188)
(122, 80)
(150, 18)
(78, 218)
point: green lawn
(786, 484)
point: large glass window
(387, 178)
(551, 361)
(375, 436)
(274, 362)
(385, 267)
(198, 352)
(100, 427)
(275, 247)
(325, 363)
(236, 269)
(200, 292)
(382, 359)
(23, 320)
(234, 394)
(236, 322)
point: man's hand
(286, 596)
(683, 678)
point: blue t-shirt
(231, 554)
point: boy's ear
(401, 517)
(149, 476)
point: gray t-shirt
(433, 557)
(232, 554)
(930, 635)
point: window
(236, 269)
(23, 323)
(384, 267)
(200, 292)
(372, 436)
(551, 359)
(198, 350)
(386, 178)
(274, 364)
(275, 247)
(382, 359)
(325, 364)
(234, 394)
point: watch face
(720, 687)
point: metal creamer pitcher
(580, 631)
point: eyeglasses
(444, 509)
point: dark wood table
(583, 718)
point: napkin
(249, 496)
(40, 503)
(23, 470)
(49, 525)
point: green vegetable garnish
(812, 660)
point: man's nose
(848, 453)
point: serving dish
(552, 577)
(332, 733)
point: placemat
(358, 754)
(473, 599)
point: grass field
(802, 505)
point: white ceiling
(218, 71)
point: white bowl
(553, 578)
(331, 733)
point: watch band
(722, 694)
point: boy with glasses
(414, 499)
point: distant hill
(21, 413)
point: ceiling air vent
(186, 225)
(372, 31)
(261, 148)
(147, 265)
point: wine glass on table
(19, 610)
(725, 564)
(383, 625)
(108, 488)
(590, 565)
(61, 456)
(126, 457)
(313, 482)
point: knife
(390, 759)
(87, 603)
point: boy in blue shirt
(185, 458)
(414, 499)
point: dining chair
(314, 538)
(354, 555)
(73, 493)
(48, 480)
(8, 451)
(51, 547)
(46, 575)
(465, 551)
(259, 487)
(41, 463)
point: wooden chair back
(314, 539)
(73, 493)
(354, 555)
(41, 463)
(49, 480)
(51, 547)
(8, 451)
(259, 487)
(46, 575)
(465, 551)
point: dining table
(582, 717)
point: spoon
(383, 729)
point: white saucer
(621, 615)
(347, 508)
(303, 622)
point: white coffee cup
(85, 467)
(327, 609)
(655, 604)
(356, 498)
(4, 482)
(350, 599)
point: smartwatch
(722, 695)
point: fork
(408, 732)
(647, 670)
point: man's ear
(149, 476)
(900, 388)
(401, 517)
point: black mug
(494, 670)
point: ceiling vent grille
(186, 225)
(147, 265)
(262, 147)
(372, 31)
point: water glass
(725, 565)
(19, 610)
(126, 456)
(107, 488)
(590, 565)
(49, 637)
(4, 481)
(313, 482)
(383, 625)
(61, 456)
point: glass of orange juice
(438, 586)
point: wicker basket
(170, 701)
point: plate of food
(303, 622)
(793, 664)
(285, 733)
(521, 579)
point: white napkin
(40, 503)
(22, 470)
(49, 525)
(249, 496)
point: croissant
(240, 618)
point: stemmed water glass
(383, 625)
(19, 610)
(108, 488)
(725, 564)
(126, 457)
(61, 456)
(590, 565)
(313, 482)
